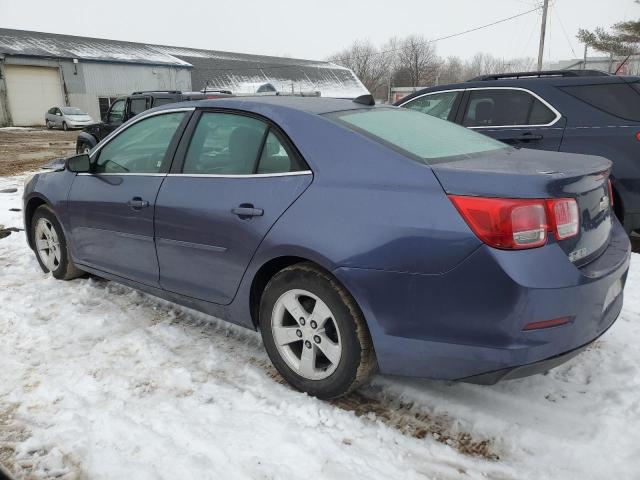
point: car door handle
(246, 210)
(136, 203)
(525, 137)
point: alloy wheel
(306, 334)
(47, 244)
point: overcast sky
(316, 28)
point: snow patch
(102, 381)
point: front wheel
(314, 332)
(65, 127)
(83, 148)
(50, 245)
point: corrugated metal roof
(238, 72)
(38, 44)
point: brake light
(610, 185)
(564, 217)
(503, 222)
(515, 224)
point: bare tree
(370, 65)
(417, 60)
(451, 70)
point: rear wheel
(49, 126)
(65, 127)
(314, 332)
(50, 245)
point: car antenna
(365, 100)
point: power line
(555, 12)
(438, 39)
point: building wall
(83, 83)
(4, 112)
(101, 79)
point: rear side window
(422, 136)
(162, 101)
(618, 99)
(229, 144)
(435, 104)
(138, 105)
(505, 107)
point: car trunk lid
(534, 174)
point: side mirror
(78, 163)
(58, 114)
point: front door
(514, 116)
(111, 209)
(238, 176)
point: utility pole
(543, 29)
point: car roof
(313, 105)
(530, 83)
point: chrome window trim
(197, 175)
(111, 174)
(247, 175)
(143, 116)
(535, 95)
(132, 122)
(431, 93)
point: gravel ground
(26, 149)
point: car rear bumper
(470, 320)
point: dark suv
(124, 108)
(580, 111)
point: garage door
(32, 91)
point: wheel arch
(30, 208)
(270, 268)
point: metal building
(41, 70)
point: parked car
(578, 111)
(354, 237)
(66, 118)
(124, 108)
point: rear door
(111, 209)
(515, 116)
(233, 177)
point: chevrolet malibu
(357, 238)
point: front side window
(141, 148)
(435, 104)
(422, 136)
(229, 144)
(505, 107)
(116, 114)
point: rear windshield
(618, 99)
(72, 111)
(422, 136)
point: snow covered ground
(100, 381)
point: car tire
(324, 348)
(83, 147)
(65, 127)
(49, 126)
(50, 245)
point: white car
(67, 117)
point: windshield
(422, 136)
(72, 111)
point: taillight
(564, 217)
(610, 185)
(504, 222)
(514, 224)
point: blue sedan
(356, 238)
